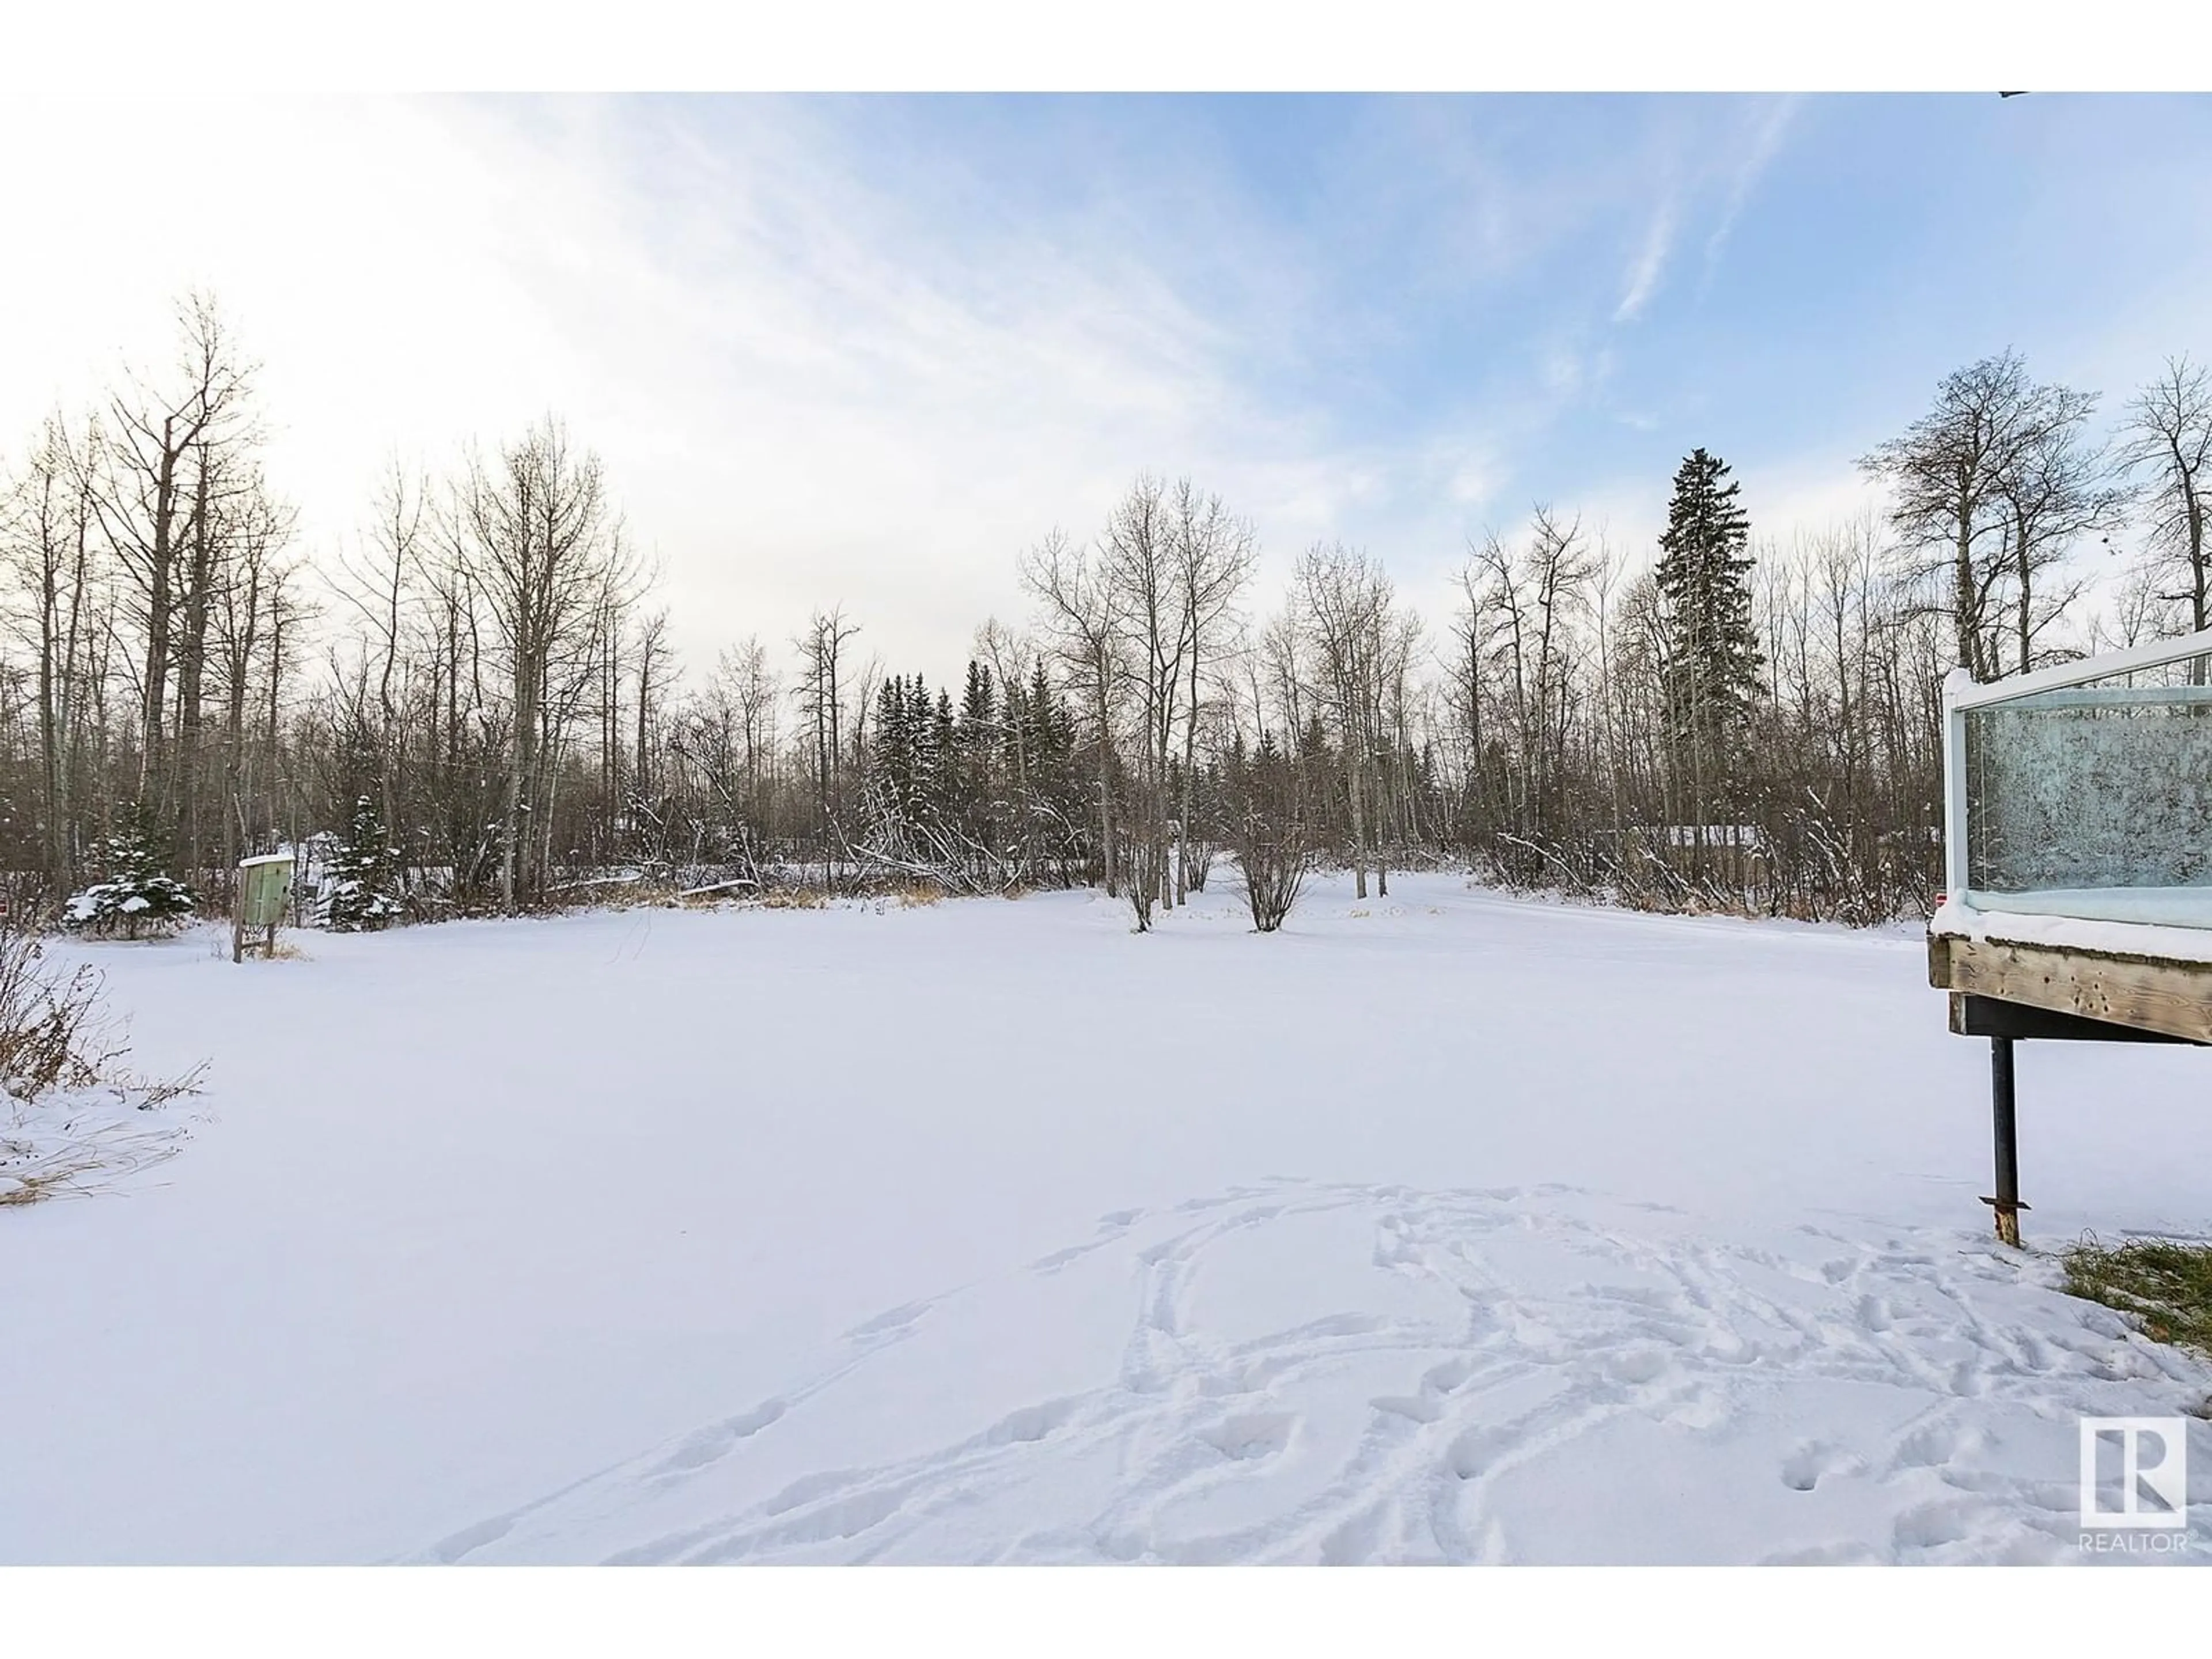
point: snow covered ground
(1438, 1228)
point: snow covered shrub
(136, 896)
(1271, 867)
(1197, 856)
(364, 872)
(67, 1110)
(1143, 860)
(50, 1034)
(1268, 832)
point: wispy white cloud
(1646, 269)
(806, 387)
(1767, 133)
(819, 375)
(814, 376)
(823, 366)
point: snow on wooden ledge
(1953, 920)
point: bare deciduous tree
(545, 554)
(1996, 476)
(2167, 441)
(146, 492)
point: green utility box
(264, 887)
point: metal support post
(2007, 1202)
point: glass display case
(2085, 790)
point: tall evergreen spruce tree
(977, 730)
(365, 871)
(1712, 657)
(979, 753)
(979, 702)
(921, 751)
(893, 752)
(985, 789)
(943, 759)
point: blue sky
(1600, 281)
(867, 348)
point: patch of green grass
(2167, 1286)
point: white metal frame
(1961, 693)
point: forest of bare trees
(1745, 717)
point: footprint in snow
(1260, 1434)
(1814, 1461)
(717, 1440)
(898, 1319)
(1031, 1423)
(1415, 1408)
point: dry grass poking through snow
(285, 950)
(31, 1185)
(2167, 1285)
(68, 1111)
(792, 898)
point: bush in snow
(364, 874)
(1267, 831)
(67, 1110)
(137, 895)
(49, 1036)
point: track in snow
(1522, 1374)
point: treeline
(478, 682)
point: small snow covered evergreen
(364, 872)
(137, 894)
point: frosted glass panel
(2095, 800)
